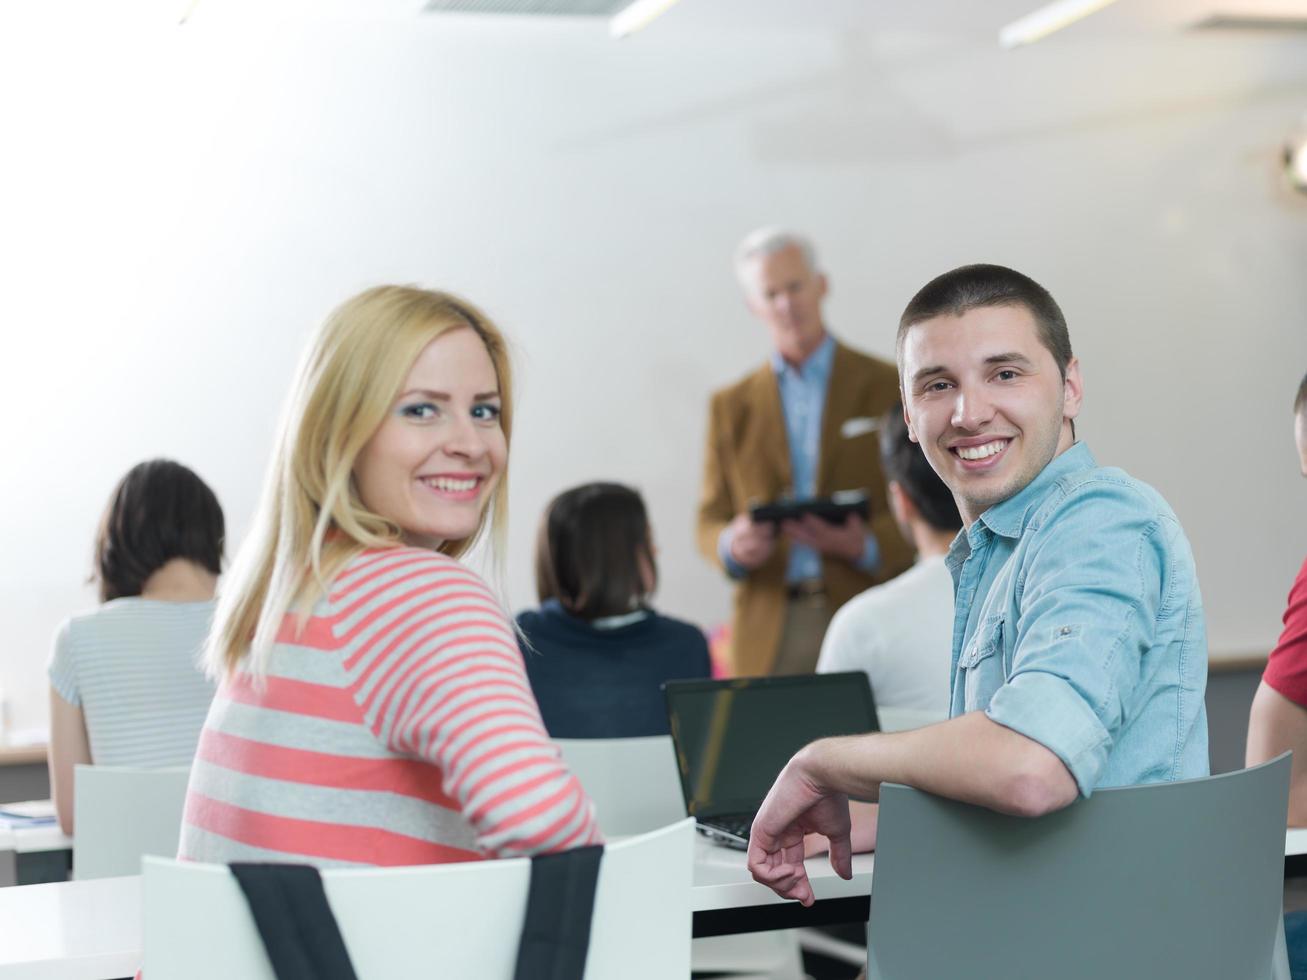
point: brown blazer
(747, 460)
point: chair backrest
(447, 920)
(122, 813)
(1163, 880)
(633, 781)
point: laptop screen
(734, 736)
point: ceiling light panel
(1047, 20)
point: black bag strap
(303, 941)
(294, 920)
(559, 908)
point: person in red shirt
(1279, 714)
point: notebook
(734, 736)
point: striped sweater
(396, 727)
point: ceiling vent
(543, 8)
(1250, 22)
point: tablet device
(834, 509)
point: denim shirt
(1079, 624)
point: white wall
(181, 207)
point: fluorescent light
(1046, 20)
(630, 19)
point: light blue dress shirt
(1078, 623)
(803, 401)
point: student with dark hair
(596, 653)
(126, 687)
(901, 633)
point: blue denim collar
(816, 368)
(1008, 518)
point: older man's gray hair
(769, 241)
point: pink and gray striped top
(397, 728)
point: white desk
(727, 901)
(27, 840)
(721, 880)
(34, 854)
(91, 930)
(73, 930)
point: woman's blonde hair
(310, 520)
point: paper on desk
(33, 813)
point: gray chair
(1164, 880)
(633, 781)
(121, 813)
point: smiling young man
(1079, 645)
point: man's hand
(864, 819)
(797, 806)
(751, 543)
(847, 540)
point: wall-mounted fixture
(1295, 160)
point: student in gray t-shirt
(126, 687)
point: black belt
(805, 588)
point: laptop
(734, 736)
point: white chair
(121, 813)
(633, 781)
(635, 786)
(448, 920)
(906, 719)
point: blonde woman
(373, 706)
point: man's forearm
(969, 758)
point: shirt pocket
(981, 665)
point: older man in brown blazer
(802, 425)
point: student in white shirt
(901, 633)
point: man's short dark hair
(159, 511)
(592, 541)
(1300, 402)
(905, 464)
(971, 287)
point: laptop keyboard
(734, 823)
